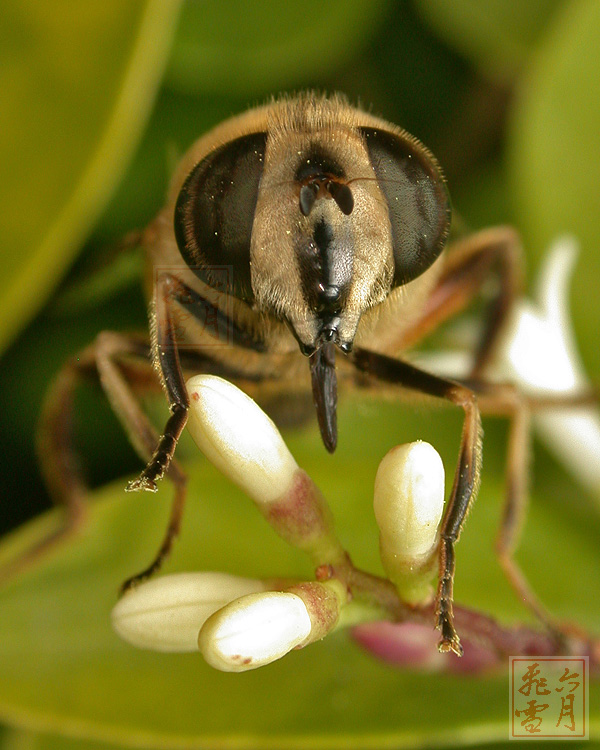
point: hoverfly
(330, 226)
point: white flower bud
(239, 438)
(254, 630)
(242, 442)
(408, 503)
(165, 614)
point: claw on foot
(141, 483)
(453, 644)
(450, 640)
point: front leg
(169, 290)
(166, 359)
(466, 478)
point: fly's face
(321, 211)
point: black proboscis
(324, 388)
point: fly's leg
(166, 360)
(169, 291)
(470, 264)
(121, 364)
(144, 438)
(110, 352)
(505, 400)
(466, 478)
(514, 510)
(498, 399)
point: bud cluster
(240, 624)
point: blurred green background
(99, 99)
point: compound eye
(215, 211)
(418, 202)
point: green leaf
(248, 48)
(121, 271)
(22, 740)
(77, 82)
(495, 35)
(553, 156)
(64, 671)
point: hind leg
(121, 364)
(505, 400)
